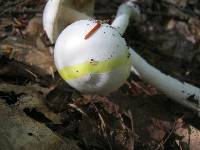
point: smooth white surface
(106, 43)
(101, 83)
(72, 48)
(49, 18)
(60, 13)
(71, 45)
(178, 91)
(125, 12)
(184, 93)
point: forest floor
(40, 111)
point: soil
(40, 111)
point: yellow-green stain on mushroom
(92, 66)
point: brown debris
(39, 108)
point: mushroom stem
(182, 92)
(125, 11)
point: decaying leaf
(26, 52)
(20, 132)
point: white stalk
(125, 11)
(182, 92)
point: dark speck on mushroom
(192, 99)
(91, 60)
(112, 27)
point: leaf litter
(136, 116)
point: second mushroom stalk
(182, 92)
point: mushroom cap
(60, 13)
(50, 15)
(99, 64)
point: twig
(141, 88)
(33, 74)
(12, 6)
(77, 109)
(132, 129)
(103, 126)
(191, 13)
(170, 133)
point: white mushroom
(181, 92)
(93, 57)
(126, 11)
(60, 13)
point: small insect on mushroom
(96, 27)
(85, 40)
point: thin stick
(93, 30)
(12, 6)
(168, 136)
